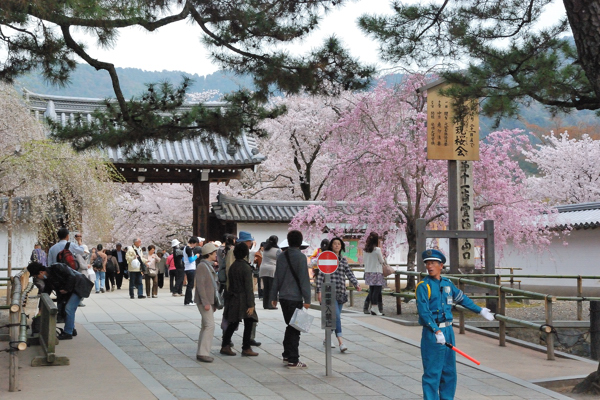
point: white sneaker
(332, 345)
(343, 348)
(376, 312)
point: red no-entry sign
(327, 262)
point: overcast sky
(177, 46)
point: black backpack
(110, 266)
(97, 263)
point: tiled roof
(234, 209)
(579, 216)
(244, 210)
(185, 153)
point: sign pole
(328, 264)
(328, 294)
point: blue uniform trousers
(439, 366)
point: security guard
(435, 297)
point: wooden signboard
(447, 137)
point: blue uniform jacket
(437, 308)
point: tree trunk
(411, 239)
(584, 18)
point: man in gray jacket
(292, 283)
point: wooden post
(13, 358)
(201, 208)
(549, 335)
(502, 324)
(9, 229)
(461, 315)
(397, 289)
(351, 298)
(490, 260)
(579, 302)
(453, 214)
(595, 329)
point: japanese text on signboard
(448, 137)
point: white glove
(487, 314)
(439, 337)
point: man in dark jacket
(293, 293)
(70, 287)
(119, 254)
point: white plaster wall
(24, 237)
(579, 257)
(262, 231)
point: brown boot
(249, 352)
(227, 351)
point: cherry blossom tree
(383, 174)
(296, 166)
(64, 187)
(568, 169)
(156, 213)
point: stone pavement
(145, 348)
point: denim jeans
(338, 319)
(135, 280)
(70, 309)
(100, 278)
(189, 288)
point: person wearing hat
(204, 297)
(435, 297)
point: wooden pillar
(595, 329)
(201, 208)
(453, 214)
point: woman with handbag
(338, 278)
(205, 294)
(151, 274)
(374, 277)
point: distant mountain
(87, 82)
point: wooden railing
(47, 336)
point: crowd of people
(214, 274)
(220, 275)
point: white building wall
(24, 237)
(579, 257)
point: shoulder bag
(387, 270)
(143, 267)
(219, 301)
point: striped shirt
(338, 278)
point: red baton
(463, 354)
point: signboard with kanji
(327, 262)
(328, 306)
(447, 137)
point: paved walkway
(145, 349)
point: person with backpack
(112, 269)
(98, 261)
(64, 250)
(179, 271)
(70, 287)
